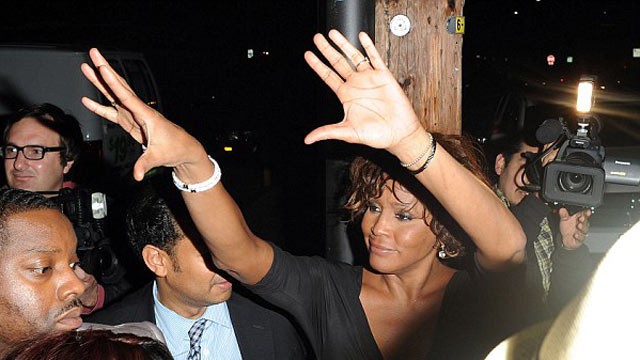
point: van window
(140, 81)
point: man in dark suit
(187, 289)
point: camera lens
(574, 182)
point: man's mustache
(71, 305)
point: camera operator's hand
(550, 156)
(574, 228)
(90, 296)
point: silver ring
(114, 103)
(365, 60)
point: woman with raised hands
(407, 303)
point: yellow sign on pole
(455, 24)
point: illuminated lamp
(585, 93)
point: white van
(39, 74)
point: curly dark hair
(369, 175)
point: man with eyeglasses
(40, 145)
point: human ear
(499, 164)
(157, 260)
(67, 167)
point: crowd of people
(455, 263)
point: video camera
(576, 176)
(87, 211)
(580, 171)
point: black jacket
(571, 268)
(261, 333)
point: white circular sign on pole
(400, 25)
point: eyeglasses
(31, 152)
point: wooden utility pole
(427, 59)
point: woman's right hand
(167, 144)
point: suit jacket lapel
(146, 309)
(252, 328)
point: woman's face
(395, 232)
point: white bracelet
(199, 187)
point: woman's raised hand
(377, 112)
(167, 144)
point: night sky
(198, 52)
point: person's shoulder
(244, 306)
(143, 328)
(244, 300)
(264, 328)
(312, 268)
(312, 263)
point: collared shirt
(218, 339)
(501, 195)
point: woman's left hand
(377, 113)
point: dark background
(198, 53)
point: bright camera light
(585, 96)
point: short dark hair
(16, 201)
(89, 344)
(513, 145)
(58, 121)
(161, 221)
(507, 147)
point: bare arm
(214, 212)
(491, 225)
